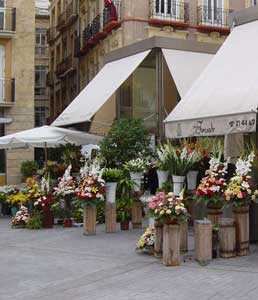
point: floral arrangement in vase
(66, 184)
(43, 203)
(240, 190)
(146, 241)
(21, 218)
(212, 187)
(18, 198)
(168, 208)
(162, 163)
(137, 165)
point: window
(2, 152)
(2, 14)
(253, 2)
(168, 9)
(41, 115)
(40, 80)
(41, 41)
(213, 12)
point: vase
(241, 216)
(111, 192)
(171, 245)
(192, 180)
(68, 223)
(214, 213)
(203, 240)
(151, 222)
(89, 219)
(137, 179)
(48, 219)
(125, 225)
(162, 177)
(178, 184)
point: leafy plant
(35, 221)
(127, 139)
(29, 168)
(112, 175)
(124, 209)
(3, 197)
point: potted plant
(136, 168)
(43, 205)
(29, 168)
(146, 241)
(35, 221)
(162, 163)
(16, 199)
(212, 187)
(240, 192)
(124, 212)
(111, 177)
(21, 218)
(182, 160)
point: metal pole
(45, 151)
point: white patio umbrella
(47, 137)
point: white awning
(224, 98)
(185, 67)
(99, 90)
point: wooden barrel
(241, 216)
(110, 217)
(227, 238)
(171, 245)
(203, 240)
(158, 245)
(137, 214)
(89, 219)
(184, 237)
(214, 214)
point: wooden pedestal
(203, 240)
(171, 245)
(110, 217)
(89, 220)
(227, 238)
(214, 215)
(158, 240)
(137, 214)
(241, 216)
(184, 237)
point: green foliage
(124, 209)
(101, 212)
(29, 168)
(35, 221)
(127, 139)
(71, 155)
(3, 197)
(112, 175)
(167, 187)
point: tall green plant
(127, 139)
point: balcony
(50, 79)
(213, 19)
(65, 66)
(7, 92)
(7, 21)
(61, 21)
(167, 12)
(112, 15)
(51, 33)
(41, 51)
(68, 16)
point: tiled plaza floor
(62, 264)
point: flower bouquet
(21, 218)
(43, 205)
(162, 163)
(168, 208)
(146, 241)
(240, 190)
(136, 167)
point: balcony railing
(213, 17)
(41, 51)
(91, 30)
(169, 11)
(7, 91)
(61, 20)
(67, 16)
(64, 66)
(51, 34)
(112, 12)
(7, 20)
(50, 79)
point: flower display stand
(203, 240)
(227, 238)
(158, 245)
(137, 214)
(184, 237)
(171, 245)
(241, 216)
(89, 219)
(214, 214)
(110, 217)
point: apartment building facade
(105, 26)
(17, 40)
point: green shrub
(112, 175)
(29, 168)
(126, 140)
(35, 222)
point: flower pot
(48, 219)
(124, 225)
(241, 216)
(68, 223)
(110, 217)
(137, 179)
(111, 192)
(178, 184)
(171, 245)
(162, 177)
(89, 219)
(214, 213)
(192, 180)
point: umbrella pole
(45, 151)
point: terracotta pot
(48, 219)
(125, 225)
(68, 223)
